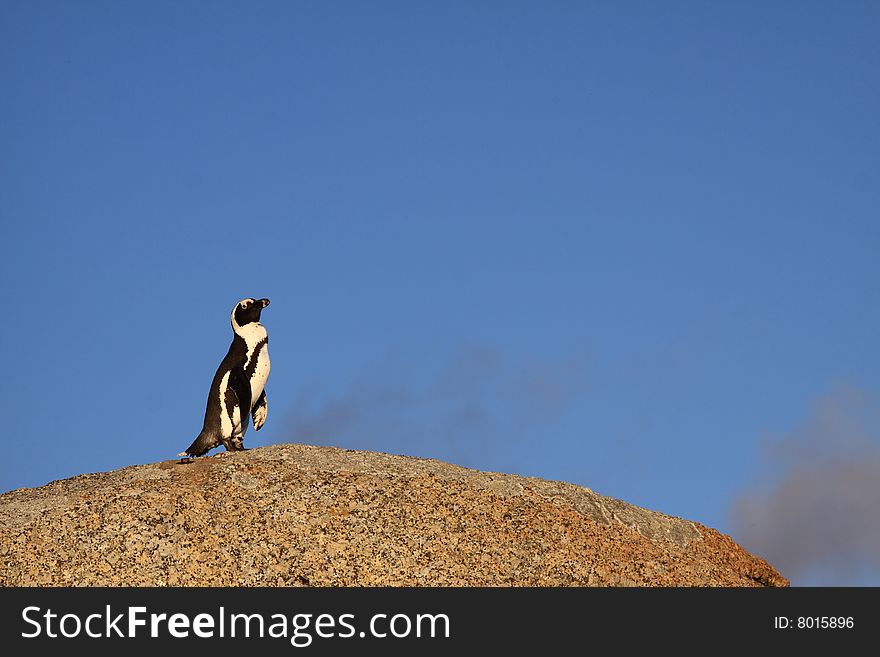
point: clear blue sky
(630, 245)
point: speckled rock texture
(294, 515)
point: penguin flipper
(260, 411)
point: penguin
(238, 388)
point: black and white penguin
(237, 390)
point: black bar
(683, 620)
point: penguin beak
(265, 302)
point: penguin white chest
(261, 372)
(257, 364)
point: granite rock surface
(295, 515)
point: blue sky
(627, 245)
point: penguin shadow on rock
(238, 389)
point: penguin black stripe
(251, 366)
(238, 388)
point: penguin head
(248, 310)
